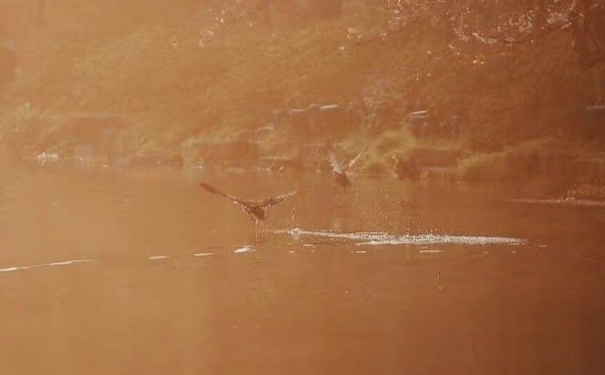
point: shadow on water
(141, 271)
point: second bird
(339, 171)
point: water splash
(380, 238)
(564, 202)
(244, 249)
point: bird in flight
(256, 209)
(339, 171)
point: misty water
(107, 271)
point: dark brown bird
(340, 172)
(256, 209)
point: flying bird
(339, 171)
(256, 209)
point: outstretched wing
(354, 160)
(268, 202)
(216, 191)
(336, 166)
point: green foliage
(22, 127)
(154, 70)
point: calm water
(142, 272)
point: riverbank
(541, 169)
(171, 91)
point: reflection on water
(142, 272)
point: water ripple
(53, 264)
(564, 202)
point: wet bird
(339, 171)
(256, 209)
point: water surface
(140, 271)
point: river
(107, 271)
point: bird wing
(216, 191)
(336, 166)
(268, 202)
(354, 160)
